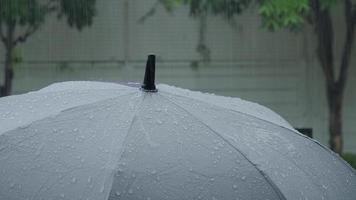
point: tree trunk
(8, 69)
(335, 93)
(335, 86)
(335, 96)
(9, 73)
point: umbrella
(106, 141)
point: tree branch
(49, 7)
(149, 13)
(2, 36)
(28, 33)
(349, 39)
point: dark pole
(149, 81)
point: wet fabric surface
(99, 141)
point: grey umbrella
(100, 141)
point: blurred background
(286, 55)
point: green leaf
(226, 8)
(283, 13)
(79, 13)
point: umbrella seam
(39, 92)
(70, 90)
(313, 181)
(265, 176)
(233, 110)
(283, 127)
(15, 145)
(64, 110)
(122, 151)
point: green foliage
(290, 14)
(23, 12)
(169, 5)
(19, 19)
(32, 13)
(17, 55)
(350, 158)
(275, 13)
(282, 13)
(226, 8)
(79, 13)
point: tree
(293, 14)
(19, 19)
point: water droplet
(24, 126)
(39, 150)
(74, 180)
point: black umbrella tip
(149, 80)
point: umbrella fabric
(105, 141)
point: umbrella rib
(274, 124)
(264, 175)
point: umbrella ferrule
(149, 80)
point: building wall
(278, 70)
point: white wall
(277, 69)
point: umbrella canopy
(105, 141)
